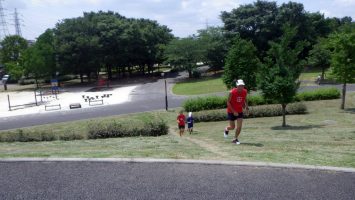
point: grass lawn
(215, 84)
(200, 86)
(325, 136)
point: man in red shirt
(237, 100)
(181, 123)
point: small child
(190, 123)
(181, 123)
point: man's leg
(228, 128)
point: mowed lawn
(200, 86)
(208, 85)
(325, 136)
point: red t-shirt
(181, 119)
(237, 100)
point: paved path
(124, 180)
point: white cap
(240, 82)
(190, 114)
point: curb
(184, 161)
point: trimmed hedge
(218, 102)
(319, 94)
(115, 129)
(255, 111)
(95, 129)
(24, 136)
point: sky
(183, 17)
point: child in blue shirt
(190, 123)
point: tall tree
(184, 53)
(12, 48)
(215, 47)
(39, 60)
(343, 57)
(241, 63)
(319, 57)
(278, 76)
(255, 22)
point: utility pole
(3, 25)
(17, 24)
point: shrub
(319, 94)
(27, 135)
(255, 111)
(217, 102)
(115, 129)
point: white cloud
(345, 2)
(65, 2)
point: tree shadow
(296, 127)
(350, 110)
(252, 144)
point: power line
(17, 24)
(3, 25)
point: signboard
(54, 84)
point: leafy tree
(343, 57)
(184, 53)
(241, 63)
(14, 70)
(278, 77)
(255, 22)
(12, 48)
(262, 22)
(39, 59)
(214, 47)
(77, 45)
(319, 57)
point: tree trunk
(322, 76)
(190, 73)
(81, 78)
(283, 115)
(36, 83)
(88, 74)
(109, 73)
(343, 97)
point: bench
(101, 102)
(55, 107)
(74, 105)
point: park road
(129, 180)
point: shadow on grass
(297, 127)
(252, 144)
(350, 110)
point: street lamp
(166, 92)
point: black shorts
(181, 126)
(232, 117)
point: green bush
(115, 129)
(255, 111)
(27, 135)
(217, 102)
(319, 94)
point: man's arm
(246, 107)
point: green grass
(325, 136)
(200, 86)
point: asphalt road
(124, 180)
